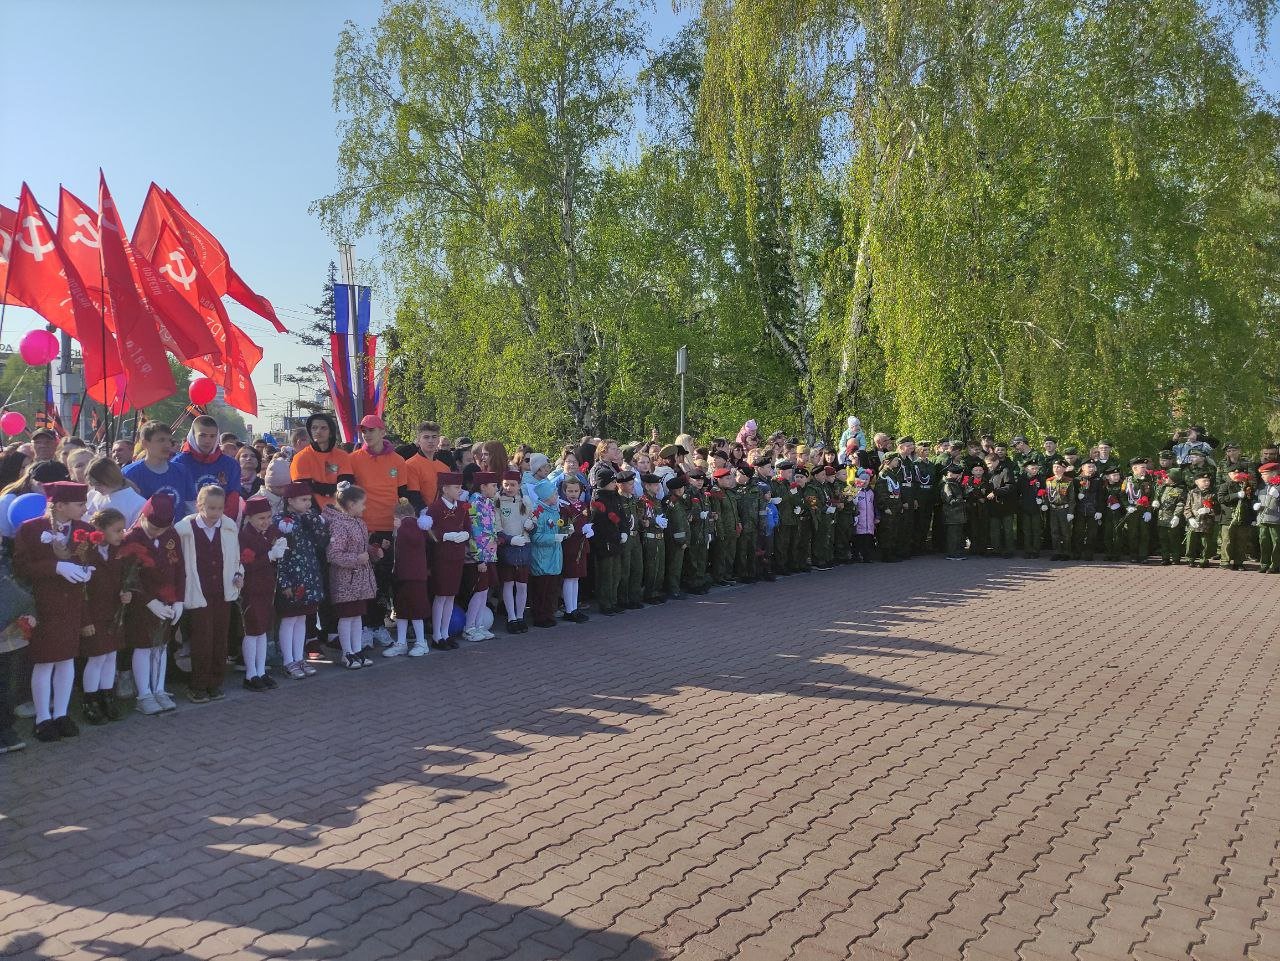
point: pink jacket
(349, 578)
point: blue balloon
(457, 620)
(25, 508)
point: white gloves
(520, 540)
(775, 501)
(1043, 506)
(1115, 507)
(1146, 517)
(1079, 497)
(561, 538)
(624, 538)
(798, 510)
(1039, 500)
(1070, 518)
(1130, 509)
(661, 521)
(162, 611)
(1239, 495)
(1257, 505)
(73, 572)
(278, 549)
(1175, 520)
(1097, 515)
(831, 510)
(177, 612)
(458, 537)
(1204, 510)
(588, 531)
(425, 521)
(702, 515)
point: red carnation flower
(80, 536)
(97, 537)
(597, 505)
(1042, 492)
(1144, 501)
(247, 556)
(1208, 502)
(614, 517)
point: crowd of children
(316, 544)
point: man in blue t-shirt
(157, 473)
(204, 460)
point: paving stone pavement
(989, 760)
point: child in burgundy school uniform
(411, 574)
(48, 556)
(261, 546)
(107, 596)
(211, 552)
(575, 512)
(153, 547)
(351, 579)
(451, 519)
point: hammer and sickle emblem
(182, 275)
(91, 238)
(35, 248)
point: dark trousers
(11, 664)
(375, 615)
(864, 546)
(544, 591)
(208, 628)
(955, 539)
(608, 573)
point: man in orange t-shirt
(423, 468)
(322, 462)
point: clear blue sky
(228, 105)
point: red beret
(511, 475)
(720, 472)
(298, 488)
(448, 477)
(1268, 467)
(486, 477)
(257, 505)
(159, 510)
(66, 492)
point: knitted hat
(537, 462)
(277, 473)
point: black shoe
(511, 626)
(66, 726)
(450, 644)
(579, 616)
(634, 606)
(48, 731)
(197, 696)
(215, 694)
(550, 623)
(268, 682)
(522, 626)
(91, 711)
(610, 611)
(110, 709)
(769, 578)
(679, 596)
(437, 646)
(253, 684)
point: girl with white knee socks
(300, 583)
(45, 556)
(108, 597)
(152, 545)
(261, 546)
(351, 581)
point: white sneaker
(472, 634)
(382, 636)
(419, 649)
(396, 649)
(486, 634)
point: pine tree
(311, 376)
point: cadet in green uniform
(631, 589)
(1086, 533)
(607, 517)
(926, 503)
(955, 510)
(724, 512)
(695, 561)
(824, 520)
(1201, 512)
(1002, 504)
(676, 507)
(1061, 497)
(807, 501)
(1268, 509)
(786, 500)
(1171, 501)
(1236, 495)
(1140, 495)
(763, 481)
(1113, 514)
(889, 505)
(749, 505)
(653, 538)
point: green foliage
(944, 217)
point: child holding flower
(351, 579)
(108, 595)
(157, 602)
(44, 558)
(261, 546)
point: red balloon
(202, 390)
(38, 348)
(12, 423)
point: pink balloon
(12, 423)
(202, 390)
(38, 347)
